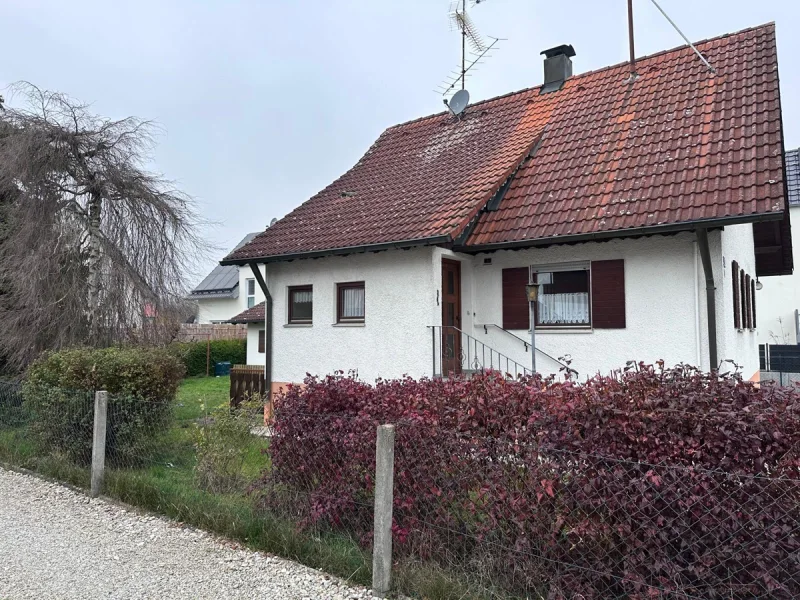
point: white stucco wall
(218, 310)
(780, 297)
(665, 309)
(254, 357)
(393, 341)
(741, 346)
(660, 295)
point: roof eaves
(621, 233)
(431, 241)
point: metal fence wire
(521, 521)
(47, 429)
(501, 517)
(319, 483)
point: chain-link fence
(510, 520)
(319, 483)
(479, 516)
(49, 431)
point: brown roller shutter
(515, 302)
(737, 315)
(753, 301)
(608, 294)
(261, 341)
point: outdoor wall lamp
(759, 285)
(532, 292)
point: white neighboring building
(639, 228)
(220, 296)
(779, 299)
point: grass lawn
(200, 394)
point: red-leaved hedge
(651, 483)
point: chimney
(557, 67)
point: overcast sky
(264, 103)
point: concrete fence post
(384, 497)
(99, 442)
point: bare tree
(94, 248)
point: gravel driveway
(57, 543)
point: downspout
(711, 306)
(268, 337)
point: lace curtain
(564, 309)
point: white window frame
(251, 298)
(560, 267)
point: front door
(451, 317)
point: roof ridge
(592, 72)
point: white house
(633, 204)
(779, 300)
(219, 297)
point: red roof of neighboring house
(678, 146)
(251, 315)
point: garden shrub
(654, 481)
(193, 354)
(141, 385)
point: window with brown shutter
(742, 300)
(608, 294)
(516, 310)
(737, 315)
(749, 302)
(261, 338)
(753, 301)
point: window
(300, 304)
(350, 302)
(250, 288)
(563, 297)
(261, 340)
(573, 295)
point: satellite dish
(274, 220)
(459, 102)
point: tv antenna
(479, 50)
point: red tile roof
(679, 145)
(251, 315)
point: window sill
(361, 324)
(293, 325)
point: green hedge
(193, 354)
(141, 383)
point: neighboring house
(220, 295)
(779, 300)
(632, 203)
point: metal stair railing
(527, 344)
(456, 352)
